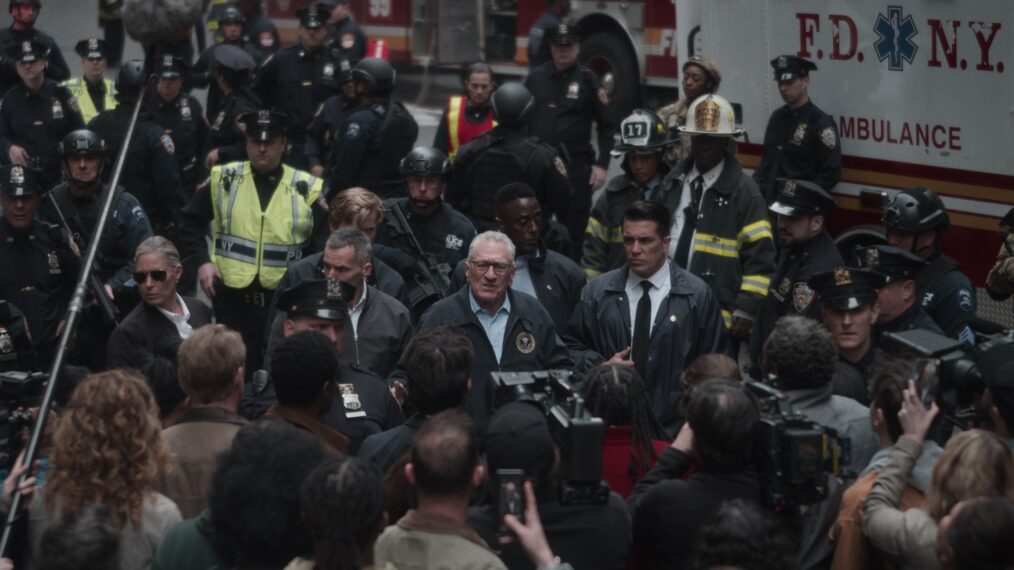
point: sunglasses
(158, 275)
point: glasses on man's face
(142, 277)
(499, 267)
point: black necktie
(689, 222)
(642, 330)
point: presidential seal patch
(802, 296)
(525, 343)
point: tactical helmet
(424, 161)
(231, 15)
(130, 80)
(642, 132)
(512, 103)
(376, 73)
(916, 210)
(711, 115)
(81, 142)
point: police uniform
(37, 120)
(112, 25)
(56, 67)
(538, 48)
(947, 296)
(38, 272)
(200, 75)
(224, 131)
(504, 155)
(92, 98)
(802, 143)
(371, 142)
(183, 120)
(847, 289)
(16, 351)
(566, 103)
(324, 125)
(262, 222)
(790, 292)
(898, 265)
(346, 36)
(298, 81)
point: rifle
(110, 312)
(432, 279)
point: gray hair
(492, 236)
(159, 244)
(801, 352)
(351, 237)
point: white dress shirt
(660, 281)
(678, 218)
(179, 321)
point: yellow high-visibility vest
(79, 89)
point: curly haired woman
(108, 450)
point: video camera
(793, 455)
(18, 392)
(578, 435)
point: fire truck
(919, 89)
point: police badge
(802, 296)
(17, 175)
(572, 90)
(57, 109)
(797, 137)
(872, 257)
(54, 263)
(525, 343)
(328, 71)
(842, 277)
(350, 401)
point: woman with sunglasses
(149, 337)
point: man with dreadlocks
(634, 438)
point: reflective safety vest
(250, 242)
(459, 129)
(79, 89)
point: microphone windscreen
(153, 21)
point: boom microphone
(153, 21)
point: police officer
(362, 404)
(346, 36)
(324, 125)
(643, 142)
(150, 171)
(94, 93)
(258, 31)
(298, 78)
(898, 299)
(568, 98)
(231, 72)
(79, 201)
(35, 114)
(806, 249)
(508, 154)
(442, 232)
(262, 214)
(375, 135)
(38, 269)
(182, 118)
(915, 219)
(467, 116)
(201, 75)
(801, 141)
(24, 13)
(849, 309)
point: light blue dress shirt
(495, 326)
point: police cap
(801, 198)
(264, 124)
(27, 51)
(563, 34)
(916, 210)
(847, 288)
(92, 48)
(314, 16)
(321, 298)
(169, 66)
(234, 58)
(789, 66)
(894, 263)
(231, 15)
(19, 181)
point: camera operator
(994, 400)
(801, 355)
(852, 551)
(722, 420)
(588, 536)
(438, 362)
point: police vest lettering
(252, 243)
(79, 89)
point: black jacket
(688, 324)
(530, 343)
(387, 447)
(668, 511)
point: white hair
(494, 237)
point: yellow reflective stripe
(592, 273)
(603, 233)
(758, 284)
(727, 318)
(707, 243)
(453, 114)
(755, 231)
